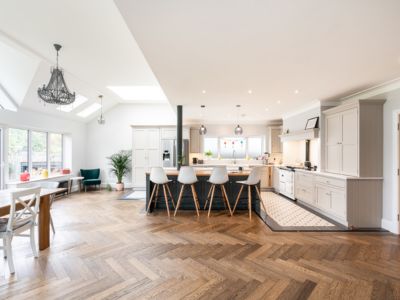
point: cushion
(91, 181)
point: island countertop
(206, 173)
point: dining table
(44, 211)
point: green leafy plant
(181, 160)
(208, 153)
(121, 164)
(109, 188)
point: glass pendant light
(238, 129)
(202, 129)
(101, 119)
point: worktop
(206, 173)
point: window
(232, 147)
(254, 147)
(211, 146)
(34, 151)
(55, 153)
(38, 153)
(17, 152)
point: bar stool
(159, 178)
(187, 176)
(253, 179)
(219, 176)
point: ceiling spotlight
(203, 91)
(250, 91)
(267, 109)
(278, 102)
(296, 91)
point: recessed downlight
(278, 102)
(296, 91)
(250, 91)
(267, 109)
(203, 91)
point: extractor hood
(301, 135)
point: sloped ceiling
(98, 50)
(289, 53)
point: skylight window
(139, 92)
(89, 110)
(79, 100)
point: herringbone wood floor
(109, 249)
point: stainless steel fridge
(169, 153)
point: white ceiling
(323, 48)
(98, 50)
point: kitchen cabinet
(196, 141)
(351, 201)
(145, 153)
(275, 144)
(275, 179)
(354, 138)
(286, 180)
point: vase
(119, 186)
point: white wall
(116, 134)
(390, 162)
(76, 131)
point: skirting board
(392, 226)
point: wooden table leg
(44, 222)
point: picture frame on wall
(312, 123)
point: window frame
(30, 130)
(262, 137)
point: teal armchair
(90, 177)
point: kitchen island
(202, 187)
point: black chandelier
(56, 91)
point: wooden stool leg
(151, 198)
(261, 200)
(194, 199)
(179, 200)
(237, 199)
(166, 199)
(249, 202)
(211, 200)
(156, 198)
(208, 196)
(223, 196)
(197, 198)
(226, 198)
(172, 198)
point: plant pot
(119, 186)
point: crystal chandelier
(56, 91)
(101, 119)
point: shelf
(301, 135)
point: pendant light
(202, 129)
(238, 129)
(101, 119)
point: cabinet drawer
(323, 197)
(331, 181)
(305, 194)
(304, 180)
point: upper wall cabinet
(354, 138)
(275, 144)
(196, 141)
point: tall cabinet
(353, 138)
(145, 153)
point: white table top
(77, 178)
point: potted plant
(208, 154)
(120, 166)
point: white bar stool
(159, 178)
(253, 180)
(187, 176)
(219, 176)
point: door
(350, 142)
(334, 143)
